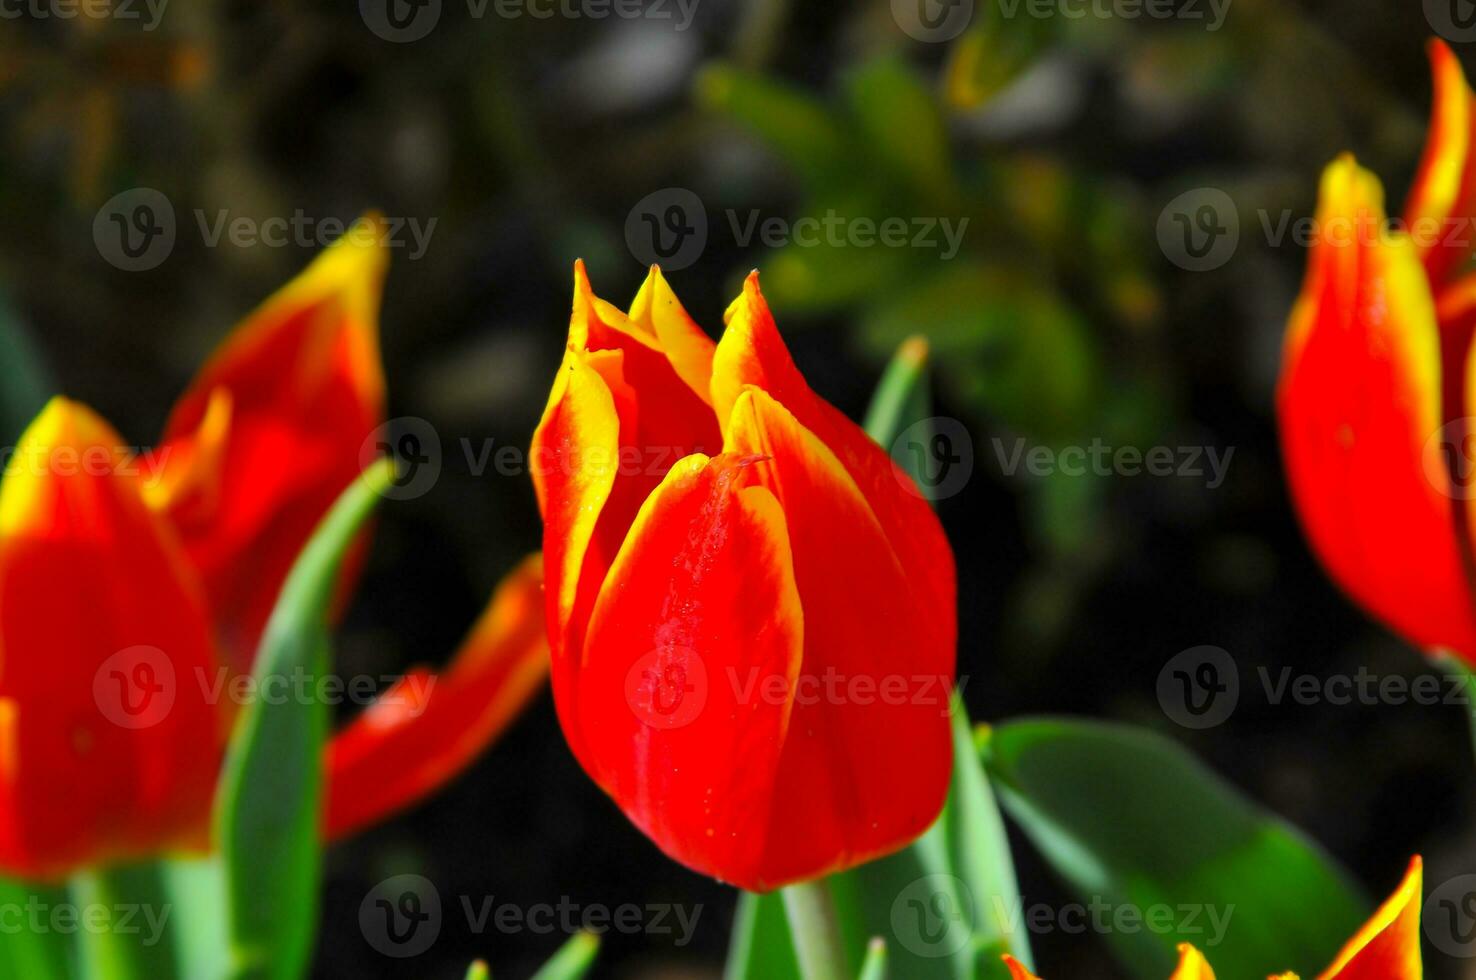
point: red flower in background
(131, 594)
(693, 598)
(1376, 393)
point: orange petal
(1442, 201)
(698, 621)
(863, 772)
(109, 744)
(427, 729)
(305, 390)
(1359, 400)
(1017, 969)
(1388, 945)
(1192, 965)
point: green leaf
(901, 125)
(44, 952)
(478, 971)
(800, 129)
(875, 965)
(141, 948)
(1129, 818)
(761, 947)
(269, 806)
(195, 890)
(573, 960)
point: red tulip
(1376, 386)
(132, 595)
(716, 621)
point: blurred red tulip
(134, 589)
(1375, 397)
(1386, 948)
(715, 619)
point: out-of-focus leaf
(141, 948)
(268, 812)
(195, 888)
(478, 971)
(992, 54)
(875, 966)
(24, 383)
(761, 946)
(806, 278)
(901, 125)
(1014, 350)
(573, 960)
(44, 953)
(1129, 818)
(800, 129)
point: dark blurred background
(1064, 317)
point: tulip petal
(1359, 400)
(1388, 945)
(698, 621)
(657, 310)
(305, 391)
(1192, 965)
(1017, 969)
(426, 729)
(751, 353)
(109, 744)
(863, 771)
(1442, 201)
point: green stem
(817, 937)
(122, 923)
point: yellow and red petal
(1359, 400)
(684, 700)
(867, 762)
(1442, 201)
(306, 391)
(109, 744)
(752, 354)
(426, 730)
(657, 311)
(1192, 965)
(1017, 969)
(1388, 945)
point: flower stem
(138, 948)
(817, 938)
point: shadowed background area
(1068, 312)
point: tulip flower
(134, 588)
(743, 592)
(1387, 947)
(1375, 396)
